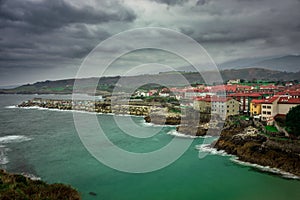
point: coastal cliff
(244, 140)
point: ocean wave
(265, 168)
(13, 139)
(206, 148)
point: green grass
(243, 117)
(272, 129)
(274, 138)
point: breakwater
(90, 106)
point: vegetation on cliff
(17, 187)
(293, 121)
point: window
(264, 112)
(269, 113)
(255, 106)
(255, 112)
(269, 107)
(264, 106)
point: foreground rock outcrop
(245, 141)
(15, 186)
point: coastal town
(264, 101)
(248, 118)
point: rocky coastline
(243, 139)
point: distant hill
(107, 84)
(289, 63)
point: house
(202, 104)
(269, 109)
(255, 107)
(286, 103)
(234, 81)
(224, 106)
(245, 98)
(192, 93)
(277, 105)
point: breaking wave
(265, 168)
(13, 139)
(206, 148)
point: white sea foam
(77, 111)
(11, 106)
(31, 176)
(3, 157)
(13, 139)
(157, 125)
(177, 134)
(206, 148)
(265, 168)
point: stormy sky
(49, 39)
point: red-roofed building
(268, 88)
(255, 106)
(203, 104)
(244, 88)
(277, 105)
(195, 92)
(222, 106)
(245, 99)
(269, 109)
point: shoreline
(207, 148)
(231, 141)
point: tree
(293, 120)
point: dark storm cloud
(48, 15)
(171, 2)
(38, 35)
(238, 21)
(53, 36)
(201, 2)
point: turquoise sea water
(45, 143)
